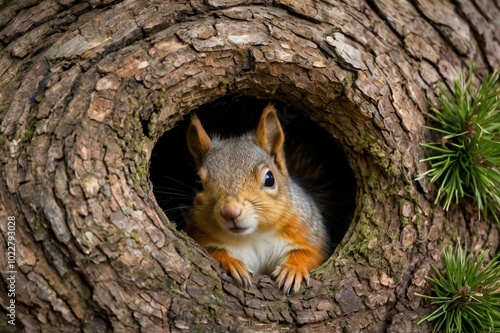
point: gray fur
(310, 212)
(225, 154)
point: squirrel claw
(240, 275)
(289, 278)
(234, 267)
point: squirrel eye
(198, 184)
(269, 179)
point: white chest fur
(262, 254)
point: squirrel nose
(230, 213)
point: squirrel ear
(198, 141)
(270, 136)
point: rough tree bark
(87, 87)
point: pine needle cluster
(467, 294)
(466, 161)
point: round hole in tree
(313, 158)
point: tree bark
(87, 88)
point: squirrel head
(243, 181)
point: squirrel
(248, 213)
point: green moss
(135, 237)
(393, 235)
(135, 144)
(382, 160)
(70, 120)
(272, 92)
(160, 99)
(185, 249)
(141, 172)
(404, 221)
(368, 207)
(86, 261)
(368, 234)
(31, 128)
(349, 79)
(213, 310)
(4, 106)
(399, 264)
(152, 125)
(419, 222)
(28, 134)
(410, 191)
(373, 181)
(39, 230)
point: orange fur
(298, 262)
(270, 137)
(198, 141)
(233, 266)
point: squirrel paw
(238, 271)
(234, 267)
(287, 276)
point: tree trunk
(87, 88)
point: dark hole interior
(328, 176)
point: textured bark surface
(87, 87)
